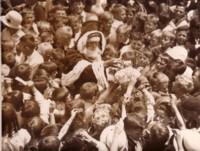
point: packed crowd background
(98, 75)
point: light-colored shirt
(19, 139)
(193, 14)
(7, 36)
(34, 59)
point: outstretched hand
(113, 63)
(173, 100)
(52, 106)
(85, 136)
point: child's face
(149, 27)
(195, 33)
(9, 59)
(179, 12)
(121, 15)
(108, 54)
(47, 55)
(181, 37)
(8, 45)
(78, 7)
(182, 84)
(134, 133)
(166, 41)
(25, 49)
(75, 24)
(49, 40)
(136, 44)
(130, 15)
(155, 40)
(122, 37)
(107, 24)
(162, 117)
(162, 85)
(60, 14)
(164, 14)
(29, 18)
(160, 63)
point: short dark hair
(134, 121)
(29, 40)
(15, 98)
(23, 71)
(60, 94)
(30, 109)
(9, 118)
(8, 57)
(88, 90)
(50, 67)
(74, 144)
(159, 132)
(49, 143)
(51, 130)
(40, 84)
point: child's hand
(85, 136)
(5, 70)
(173, 100)
(8, 81)
(73, 112)
(52, 107)
(30, 84)
(138, 146)
(113, 63)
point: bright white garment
(7, 36)
(44, 106)
(193, 14)
(34, 59)
(18, 140)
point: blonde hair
(170, 34)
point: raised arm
(66, 126)
(177, 113)
(101, 146)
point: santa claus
(84, 64)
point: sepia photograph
(100, 75)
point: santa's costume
(80, 69)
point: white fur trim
(98, 70)
(83, 39)
(73, 75)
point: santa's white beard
(92, 55)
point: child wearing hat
(12, 20)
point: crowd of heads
(157, 44)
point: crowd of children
(99, 75)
